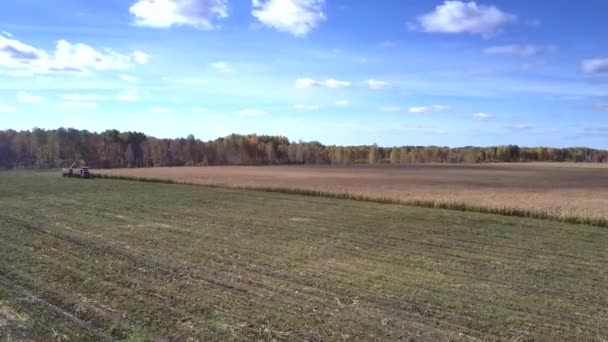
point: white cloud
(78, 105)
(465, 17)
(335, 84)
(600, 107)
(330, 83)
(160, 110)
(377, 85)
(306, 83)
(127, 96)
(128, 78)
(390, 108)
(519, 50)
(388, 44)
(306, 107)
(596, 66)
(429, 109)
(141, 57)
(201, 14)
(67, 57)
(520, 127)
(342, 103)
(250, 112)
(196, 109)
(483, 116)
(217, 116)
(20, 73)
(297, 17)
(6, 34)
(221, 66)
(81, 97)
(80, 56)
(24, 97)
(6, 109)
(14, 52)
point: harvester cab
(82, 172)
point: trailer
(82, 172)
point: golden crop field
(558, 190)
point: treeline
(41, 148)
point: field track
(116, 260)
(561, 191)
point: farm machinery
(75, 172)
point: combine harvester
(73, 172)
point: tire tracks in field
(228, 284)
(88, 327)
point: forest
(44, 149)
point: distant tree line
(39, 148)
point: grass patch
(105, 260)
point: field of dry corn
(558, 189)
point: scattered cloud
(429, 109)
(196, 109)
(520, 127)
(6, 109)
(67, 58)
(81, 97)
(306, 107)
(483, 116)
(78, 105)
(533, 23)
(221, 66)
(330, 83)
(160, 110)
(519, 50)
(24, 97)
(80, 57)
(600, 107)
(250, 112)
(342, 103)
(390, 108)
(20, 73)
(141, 57)
(128, 78)
(377, 85)
(601, 131)
(297, 17)
(306, 83)
(201, 14)
(217, 116)
(14, 52)
(128, 96)
(335, 84)
(6, 34)
(388, 44)
(597, 66)
(464, 17)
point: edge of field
(457, 206)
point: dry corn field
(559, 190)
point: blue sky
(338, 71)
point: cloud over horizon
(297, 17)
(464, 17)
(201, 14)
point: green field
(117, 260)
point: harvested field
(117, 260)
(564, 191)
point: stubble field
(575, 192)
(105, 260)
